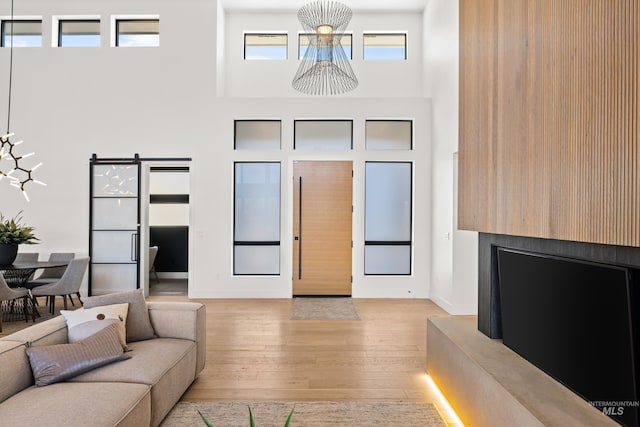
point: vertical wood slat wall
(549, 119)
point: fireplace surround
(555, 254)
(489, 313)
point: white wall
(218, 209)
(395, 79)
(454, 252)
(167, 102)
(69, 103)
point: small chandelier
(325, 68)
(7, 151)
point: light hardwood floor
(255, 352)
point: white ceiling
(292, 5)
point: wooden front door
(322, 216)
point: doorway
(322, 227)
(118, 222)
(168, 229)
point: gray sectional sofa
(139, 391)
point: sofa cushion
(52, 331)
(79, 404)
(15, 372)
(77, 318)
(138, 324)
(167, 364)
(55, 363)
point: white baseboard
(173, 275)
(455, 309)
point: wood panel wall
(549, 119)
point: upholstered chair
(153, 251)
(67, 285)
(53, 274)
(10, 295)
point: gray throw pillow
(138, 324)
(86, 329)
(54, 363)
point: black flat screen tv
(575, 321)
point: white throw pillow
(116, 312)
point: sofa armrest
(184, 320)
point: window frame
(58, 21)
(25, 19)
(349, 34)
(385, 33)
(264, 33)
(235, 134)
(116, 19)
(257, 242)
(408, 243)
(411, 136)
(295, 124)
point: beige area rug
(306, 414)
(324, 309)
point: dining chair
(50, 275)
(153, 251)
(67, 285)
(10, 295)
(27, 257)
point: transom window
(257, 134)
(345, 42)
(389, 47)
(138, 32)
(79, 33)
(265, 46)
(323, 135)
(389, 135)
(22, 33)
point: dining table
(17, 275)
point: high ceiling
(355, 5)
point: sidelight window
(256, 230)
(388, 218)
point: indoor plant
(12, 234)
(252, 422)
